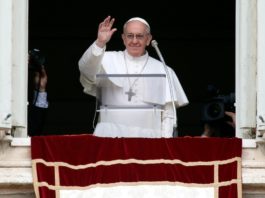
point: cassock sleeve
(168, 120)
(89, 65)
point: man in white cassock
(136, 93)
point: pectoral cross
(130, 94)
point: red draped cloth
(75, 163)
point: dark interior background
(196, 38)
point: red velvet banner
(86, 162)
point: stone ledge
(14, 164)
(253, 164)
(253, 191)
(16, 176)
(21, 141)
(16, 191)
(5, 142)
(253, 176)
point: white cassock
(135, 118)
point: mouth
(134, 47)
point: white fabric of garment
(41, 99)
(143, 191)
(96, 60)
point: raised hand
(105, 31)
(40, 80)
(232, 115)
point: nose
(135, 40)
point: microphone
(155, 45)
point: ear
(123, 38)
(149, 39)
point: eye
(139, 36)
(130, 36)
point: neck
(142, 60)
(131, 57)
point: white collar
(137, 59)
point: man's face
(136, 38)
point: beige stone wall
(15, 170)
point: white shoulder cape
(113, 63)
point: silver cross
(130, 94)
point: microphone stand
(155, 45)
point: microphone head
(154, 43)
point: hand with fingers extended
(40, 80)
(105, 31)
(232, 115)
